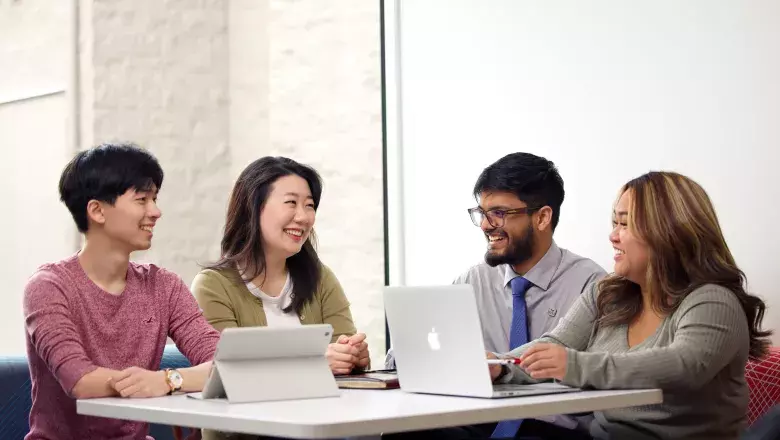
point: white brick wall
(210, 85)
(325, 110)
(248, 70)
(160, 78)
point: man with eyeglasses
(526, 283)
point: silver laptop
(437, 342)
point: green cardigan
(226, 302)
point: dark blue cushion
(16, 399)
(765, 428)
(172, 358)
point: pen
(513, 361)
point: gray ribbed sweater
(697, 357)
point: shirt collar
(541, 274)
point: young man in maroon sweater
(96, 322)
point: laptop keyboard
(537, 386)
(508, 387)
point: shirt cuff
(71, 372)
(572, 376)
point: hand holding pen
(541, 361)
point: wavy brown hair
(674, 216)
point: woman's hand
(545, 361)
(342, 356)
(359, 341)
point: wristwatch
(173, 379)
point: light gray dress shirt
(557, 280)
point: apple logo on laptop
(433, 340)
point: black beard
(518, 251)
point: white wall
(34, 147)
(37, 228)
(34, 36)
(606, 89)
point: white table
(356, 412)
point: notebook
(370, 380)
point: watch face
(175, 378)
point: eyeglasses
(496, 217)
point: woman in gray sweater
(674, 315)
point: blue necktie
(518, 335)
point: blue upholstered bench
(15, 398)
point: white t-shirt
(273, 305)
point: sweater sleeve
(573, 332)
(189, 330)
(335, 306)
(53, 333)
(710, 329)
(212, 297)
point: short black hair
(533, 179)
(104, 173)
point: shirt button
(292, 295)
(303, 317)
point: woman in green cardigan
(269, 273)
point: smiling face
(631, 253)
(287, 216)
(128, 222)
(513, 242)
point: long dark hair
(242, 244)
(675, 217)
